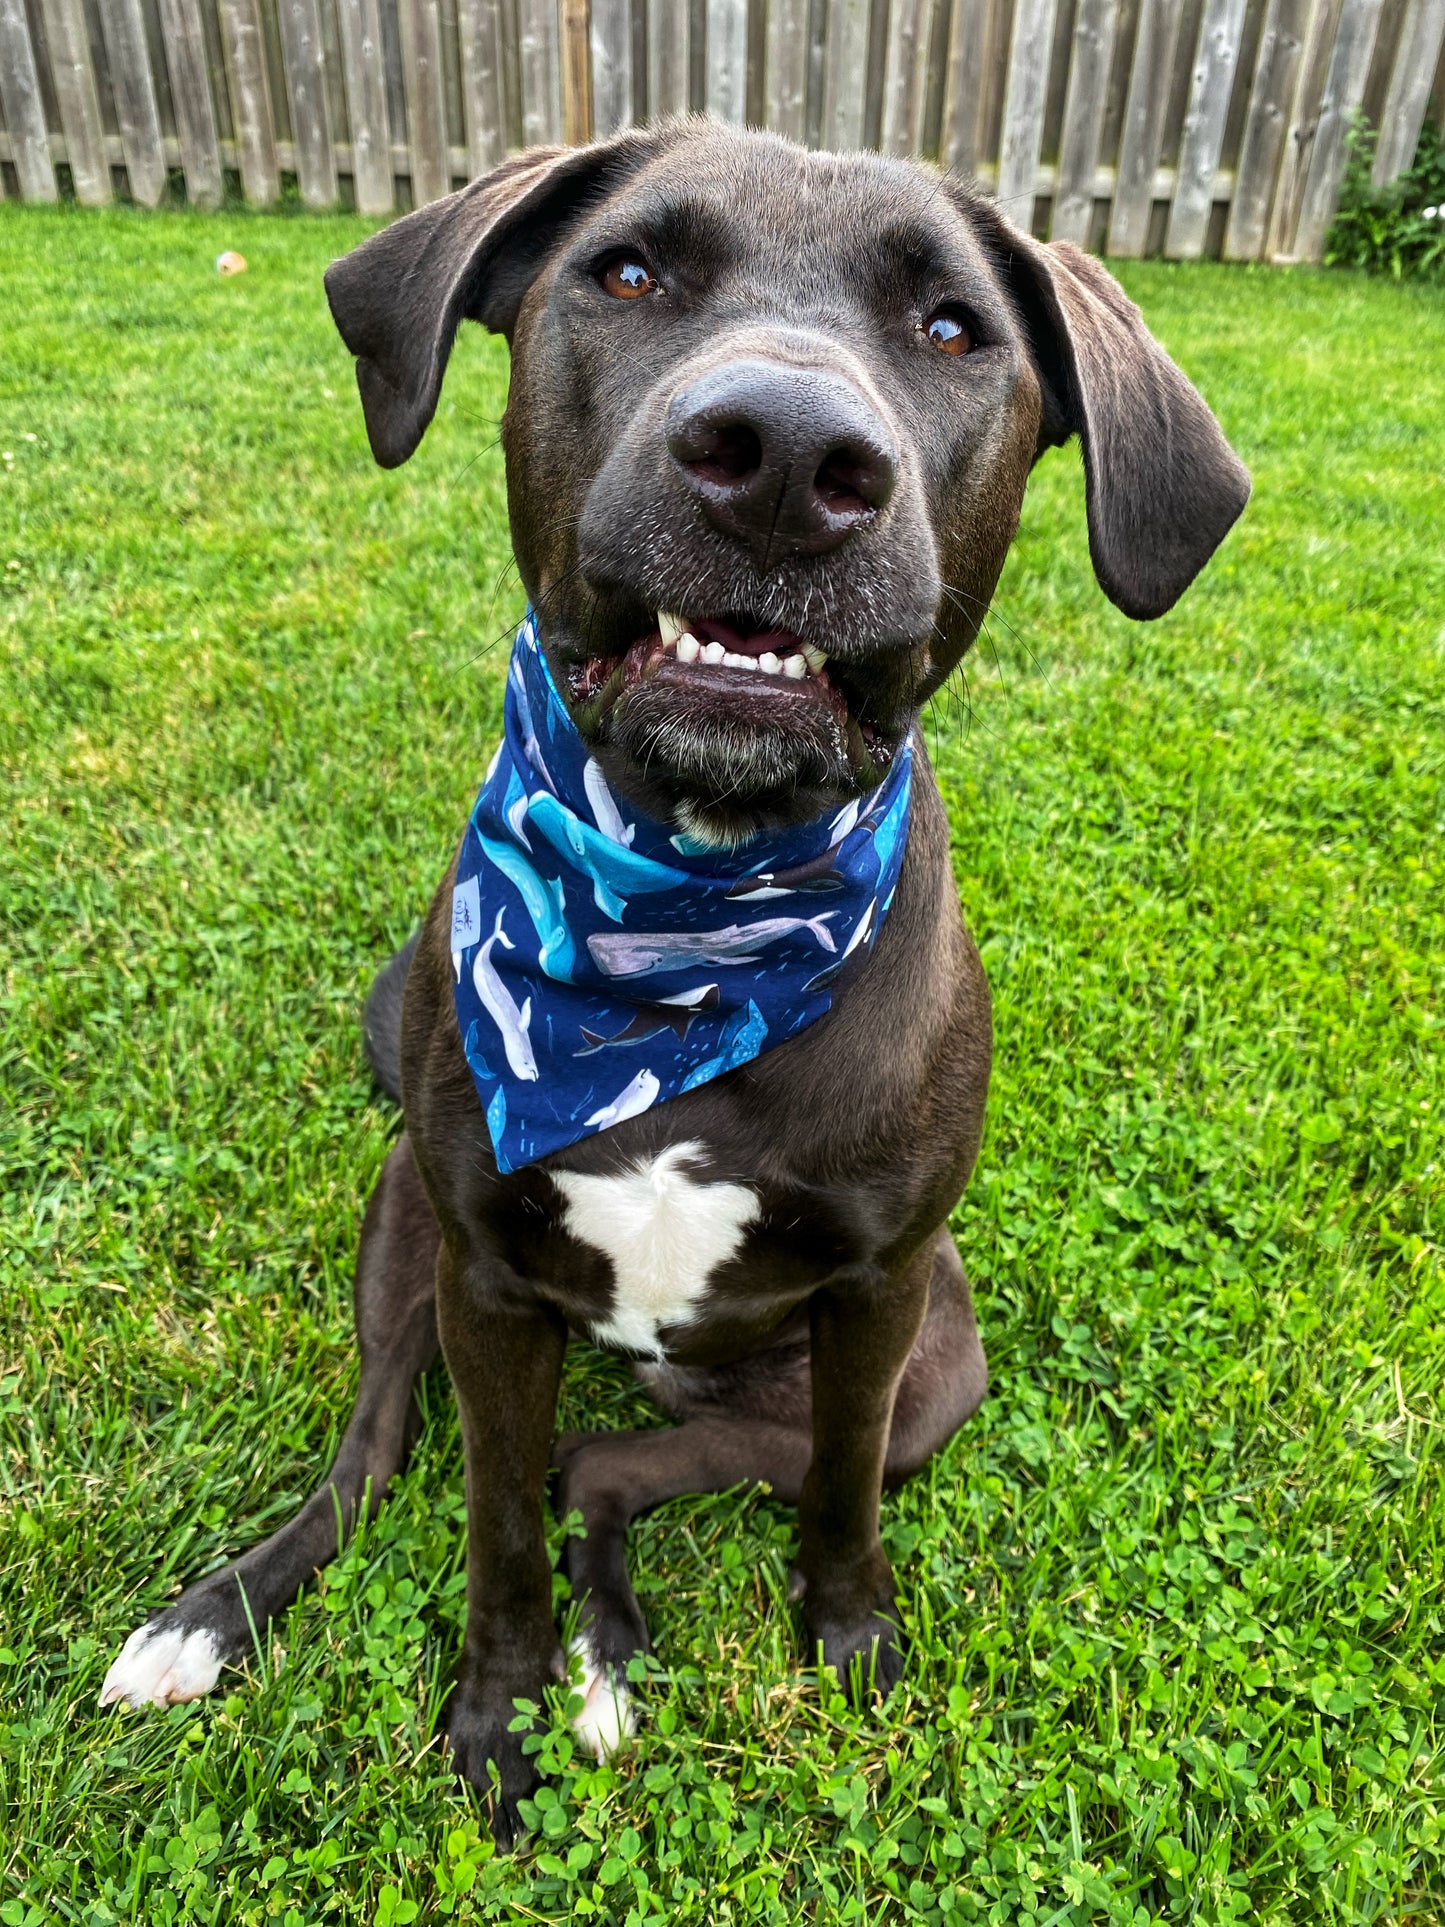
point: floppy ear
(400, 297)
(1162, 484)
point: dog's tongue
(782, 642)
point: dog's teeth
(688, 648)
(732, 661)
(769, 663)
(815, 657)
(713, 652)
(796, 667)
(670, 627)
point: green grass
(1175, 1594)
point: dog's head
(771, 417)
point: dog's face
(771, 418)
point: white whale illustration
(627, 953)
(604, 805)
(496, 1001)
(631, 1102)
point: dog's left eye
(626, 279)
(948, 330)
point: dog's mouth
(729, 671)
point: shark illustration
(667, 1013)
(497, 1002)
(604, 805)
(631, 1102)
(615, 872)
(546, 906)
(625, 953)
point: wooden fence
(1185, 127)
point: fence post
(250, 100)
(1090, 58)
(540, 66)
(421, 52)
(1203, 138)
(76, 97)
(1154, 50)
(1023, 109)
(191, 96)
(667, 57)
(1344, 90)
(786, 79)
(577, 108)
(366, 111)
(1409, 95)
(135, 100)
(611, 43)
(845, 64)
(302, 57)
(727, 59)
(1275, 76)
(24, 106)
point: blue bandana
(603, 965)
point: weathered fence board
(1071, 111)
(250, 100)
(1023, 112)
(611, 37)
(1276, 74)
(1089, 64)
(24, 107)
(1143, 128)
(845, 62)
(727, 59)
(135, 100)
(363, 60)
(302, 56)
(78, 101)
(1416, 61)
(1202, 141)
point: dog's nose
(789, 460)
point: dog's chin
(727, 729)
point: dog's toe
(161, 1665)
(608, 1719)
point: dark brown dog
(783, 392)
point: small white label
(466, 914)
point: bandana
(604, 963)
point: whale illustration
(497, 1002)
(818, 874)
(625, 953)
(615, 872)
(545, 903)
(514, 809)
(604, 804)
(531, 747)
(630, 1102)
(742, 1039)
(826, 979)
(667, 1013)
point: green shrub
(1399, 229)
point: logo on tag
(466, 914)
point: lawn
(1175, 1595)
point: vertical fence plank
(185, 43)
(1415, 62)
(1089, 61)
(611, 66)
(363, 60)
(250, 100)
(786, 79)
(727, 59)
(135, 100)
(76, 97)
(845, 65)
(667, 57)
(1216, 58)
(421, 55)
(903, 79)
(577, 72)
(1344, 90)
(968, 57)
(539, 63)
(1023, 112)
(1276, 71)
(302, 57)
(1148, 98)
(24, 106)
(1299, 138)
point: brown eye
(627, 279)
(949, 332)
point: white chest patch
(665, 1233)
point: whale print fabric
(604, 962)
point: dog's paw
(868, 1656)
(479, 1740)
(162, 1664)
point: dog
(771, 417)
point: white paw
(156, 1668)
(607, 1721)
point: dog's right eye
(626, 279)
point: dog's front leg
(503, 1349)
(863, 1329)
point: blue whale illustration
(626, 953)
(615, 872)
(545, 903)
